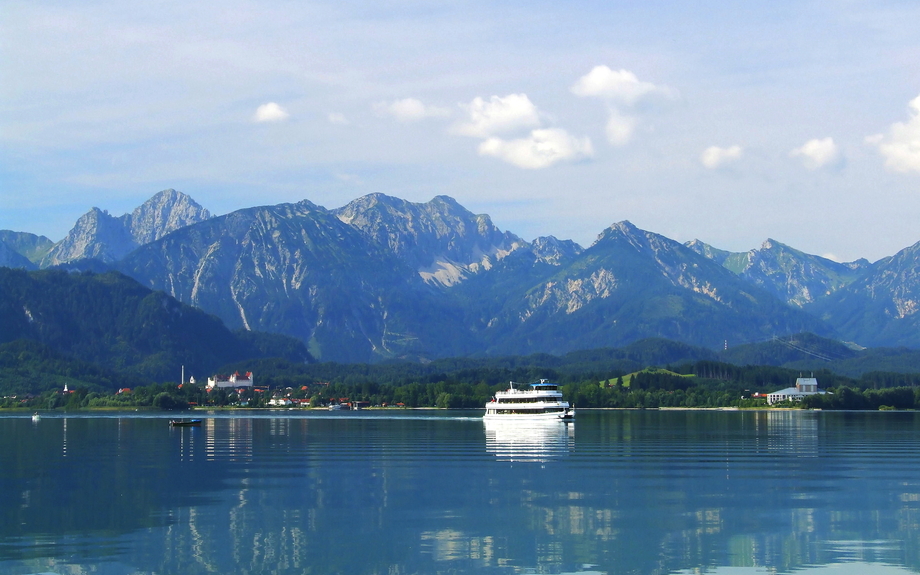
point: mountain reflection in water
(404, 492)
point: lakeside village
(232, 391)
(650, 388)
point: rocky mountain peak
(99, 235)
(96, 235)
(706, 250)
(441, 239)
(554, 251)
(625, 227)
(447, 201)
(165, 212)
(626, 232)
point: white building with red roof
(235, 380)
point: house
(804, 386)
(235, 380)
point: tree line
(692, 385)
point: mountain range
(383, 278)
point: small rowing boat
(185, 422)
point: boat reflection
(537, 440)
(793, 432)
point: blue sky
(726, 122)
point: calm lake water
(441, 492)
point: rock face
(98, 235)
(791, 275)
(631, 284)
(165, 212)
(298, 269)
(553, 251)
(442, 240)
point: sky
(727, 122)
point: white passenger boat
(541, 400)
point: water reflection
(793, 432)
(858, 568)
(535, 440)
(644, 492)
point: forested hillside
(120, 326)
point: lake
(404, 492)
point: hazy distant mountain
(22, 250)
(98, 235)
(440, 239)
(12, 259)
(881, 307)
(789, 274)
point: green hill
(112, 321)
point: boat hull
(189, 423)
(567, 415)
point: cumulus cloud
(817, 153)
(497, 120)
(338, 119)
(622, 90)
(271, 112)
(715, 157)
(543, 148)
(901, 146)
(498, 116)
(409, 110)
(620, 86)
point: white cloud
(498, 116)
(409, 110)
(338, 119)
(901, 146)
(817, 153)
(620, 86)
(622, 90)
(620, 128)
(542, 149)
(271, 112)
(715, 157)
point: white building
(235, 380)
(804, 386)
